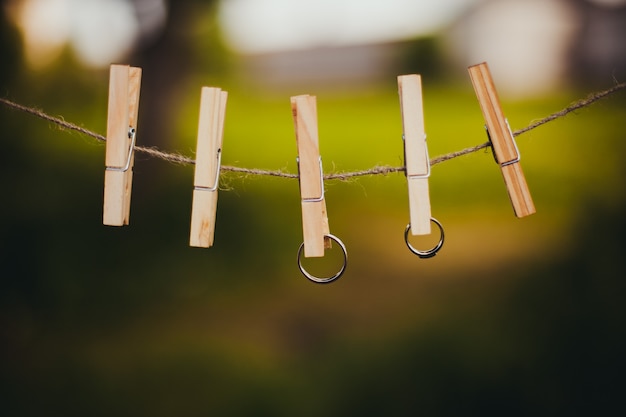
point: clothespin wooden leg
(208, 163)
(124, 87)
(502, 140)
(415, 152)
(314, 216)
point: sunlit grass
(362, 130)
(161, 310)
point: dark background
(512, 317)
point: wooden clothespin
(124, 86)
(415, 152)
(504, 147)
(208, 164)
(314, 216)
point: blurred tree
(423, 56)
(599, 49)
(169, 60)
(10, 48)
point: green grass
(132, 321)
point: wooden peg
(415, 152)
(124, 86)
(314, 216)
(208, 163)
(504, 147)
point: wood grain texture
(203, 215)
(206, 176)
(123, 108)
(314, 215)
(118, 117)
(501, 137)
(519, 193)
(134, 88)
(502, 140)
(415, 151)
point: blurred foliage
(423, 56)
(513, 317)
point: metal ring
(328, 279)
(424, 253)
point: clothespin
(417, 163)
(504, 147)
(124, 87)
(208, 164)
(314, 216)
(315, 227)
(415, 152)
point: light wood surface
(123, 108)
(314, 215)
(206, 176)
(415, 151)
(502, 140)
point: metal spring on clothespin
(417, 163)
(505, 150)
(123, 107)
(208, 166)
(315, 227)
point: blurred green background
(512, 317)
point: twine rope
(377, 170)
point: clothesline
(377, 170)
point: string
(377, 170)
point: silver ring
(328, 279)
(424, 253)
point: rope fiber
(377, 170)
